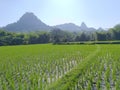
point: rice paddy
(60, 67)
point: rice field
(60, 67)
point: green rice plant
(58, 67)
(108, 85)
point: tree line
(57, 36)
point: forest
(57, 36)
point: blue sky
(95, 13)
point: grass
(59, 67)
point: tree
(101, 36)
(43, 38)
(82, 37)
(33, 39)
(57, 35)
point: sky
(95, 13)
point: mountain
(28, 22)
(73, 27)
(100, 29)
(68, 27)
(83, 26)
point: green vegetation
(99, 72)
(57, 36)
(60, 67)
(35, 67)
